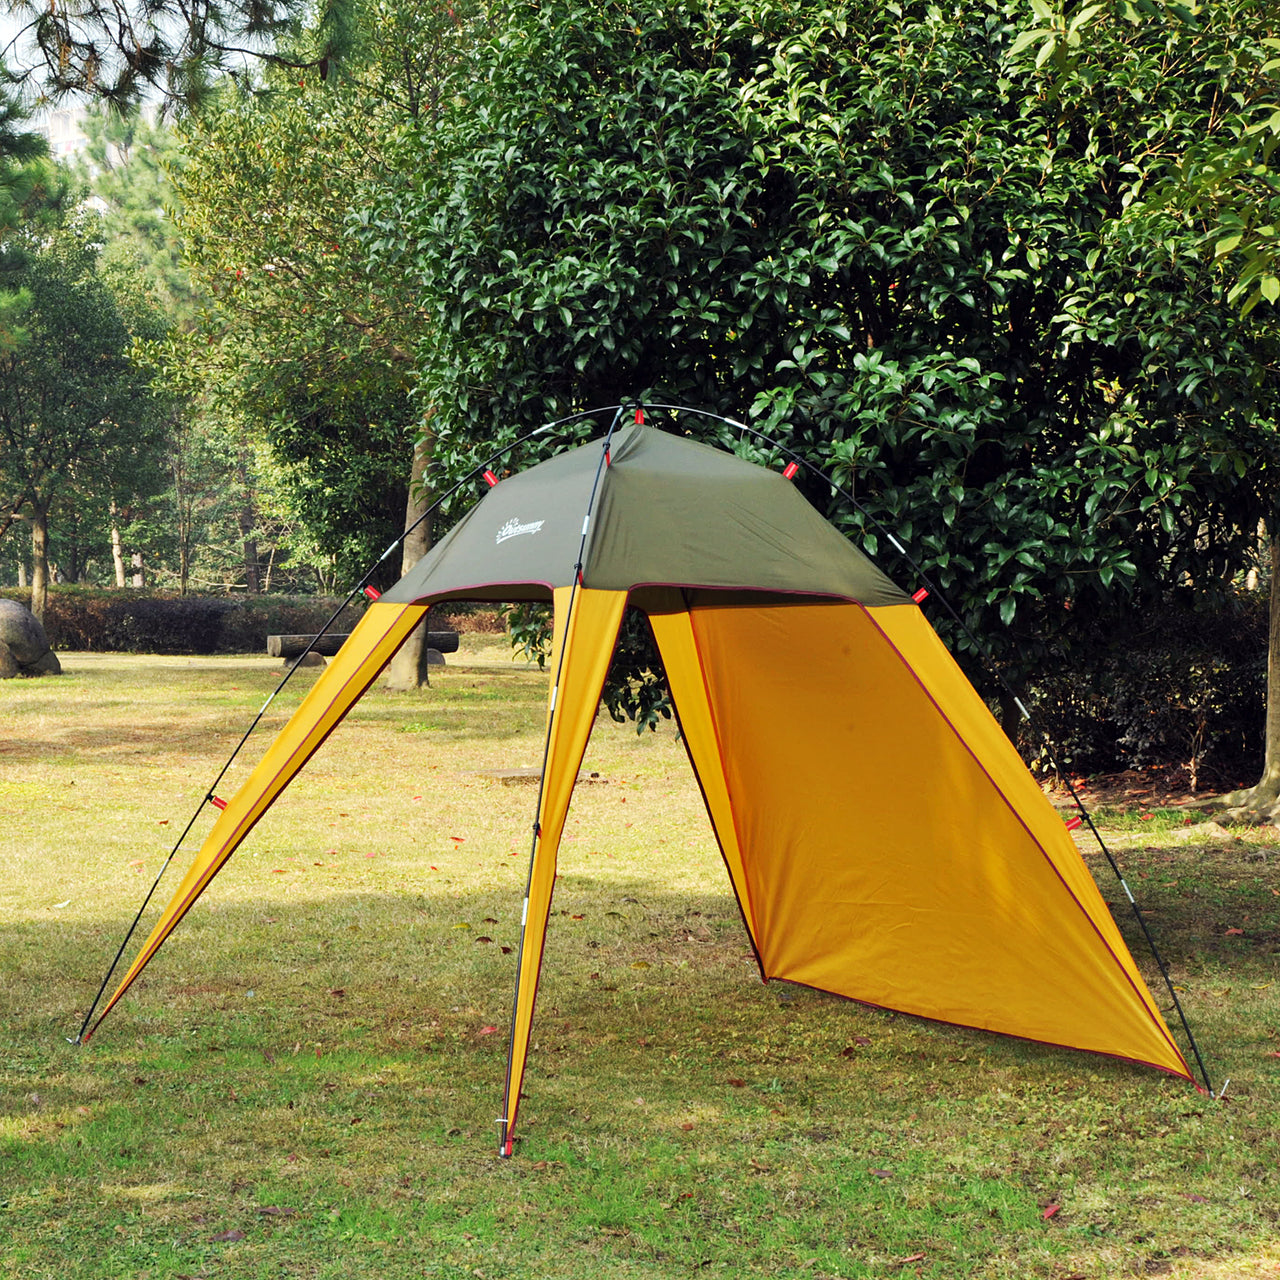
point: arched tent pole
(989, 661)
(210, 796)
(534, 913)
(515, 1069)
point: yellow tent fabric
(376, 637)
(884, 838)
(585, 631)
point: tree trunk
(1261, 802)
(39, 562)
(117, 548)
(22, 572)
(248, 518)
(139, 577)
(408, 669)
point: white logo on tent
(513, 529)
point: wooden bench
(329, 644)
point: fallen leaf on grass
(227, 1236)
(486, 1031)
(881, 1173)
(735, 1083)
(687, 1126)
(1197, 1199)
(278, 1211)
(1231, 932)
(915, 1257)
(1050, 1211)
(483, 938)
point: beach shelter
(883, 838)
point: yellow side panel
(379, 633)
(584, 639)
(674, 635)
(895, 848)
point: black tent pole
(209, 796)
(992, 666)
(809, 467)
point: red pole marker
(639, 417)
(218, 802)
(490, 479)
(372, 592)
(921, 595)
(790, 469)
(1073, 823)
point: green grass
(303, 1085)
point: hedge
(140, 621)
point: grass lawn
(305, 1081)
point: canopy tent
(883, 838)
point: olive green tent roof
(668, 512)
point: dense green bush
(135, 621)
(1170, 686)
(132, 621)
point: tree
(124, 54)
(76, 415)
(313, 349)
(297, 343)
(1224, 177)
(128, 168)
(881, 241)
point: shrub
(1175, 685)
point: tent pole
(210, 797)
(511, 1105)
(983, 652)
